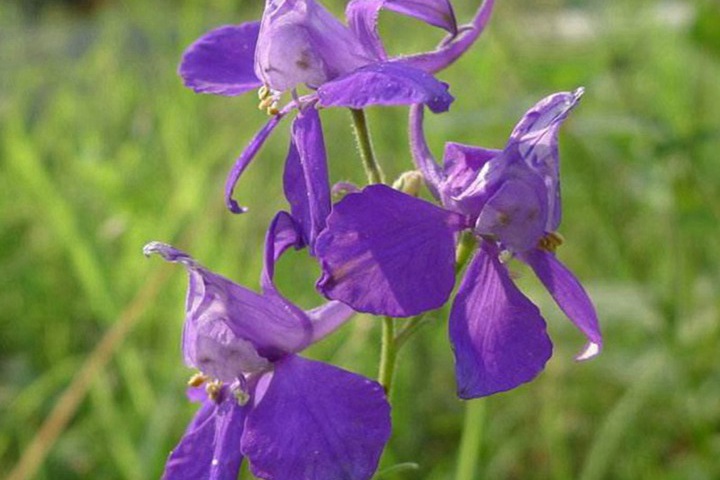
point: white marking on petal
(590, 350)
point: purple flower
(291, 417)
(299, 42)
(388, 253)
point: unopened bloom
(291, 417)
(388, 253)
(298, 42)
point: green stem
(464, 250)
(471, 441)
(388, 354)
(362, 135)
(410, 327)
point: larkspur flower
(388, 253)
(291, 417)
(298, 42)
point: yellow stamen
(264, 92)
(197, 380)
(213, 389)
(551, 241)
(241, 396)
(273, 109)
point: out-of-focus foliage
(101, 150)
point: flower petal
(498, 335)
(248, 155)
(535, 138)
(210, 447)
(422, 156)
(516, 213)
(328, 317)
(222, 61)
(388, 83)
(362, 16)
(306, 183)
(454, 46)
(388, 253)
(461, 164)
(268, 324)
(438, 13)
(301, 42)
(569, 295)
(282, 234)
(316, 421)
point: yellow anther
(241, 396)
(213, 390)
(264, 92)
(273, 109)
(270, 105)
(197, 380)
(551, 241)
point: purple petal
(222, 61)
(570, 297)
(282, 234)
(454, 46)
(387, 83)
(301, 42)
(438, 13)
(316, 421)
(461, 165)
(363, 16)
(210, 447)
(388, 253)
(306, 182)
(516, 214)
(328, 317)
(535, 138)
(422, 156)
(498, 335)
(226, 324)
(248, 155)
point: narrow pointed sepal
(570, 296)
(363, 15)
(247, 156)
(454, 46)
(305, 180)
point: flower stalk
(362, 134)
(388, 354)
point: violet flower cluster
(382, 250)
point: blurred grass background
(102, 150)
